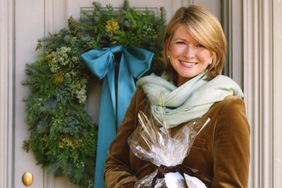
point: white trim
(6, 92)
(277, 91)
(49, 17)
(48, 180)
(56, 14)
(233, 28)
(258, 84)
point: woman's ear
(213, 57)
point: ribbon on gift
(134, 62)
(181, 169)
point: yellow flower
(66, 142)
(112, 26)
(59, 78)
(50, 60)
(44, 138)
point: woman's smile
(188, 65)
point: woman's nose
(189, 51)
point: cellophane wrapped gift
(166, 149)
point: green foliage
(62, 134)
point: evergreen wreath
(62, 134)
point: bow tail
(106, 132)
(126, 89)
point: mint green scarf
(189, 101)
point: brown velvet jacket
(220, 153)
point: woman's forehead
(182, 32)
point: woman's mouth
(188, 64)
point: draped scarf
(172, 105)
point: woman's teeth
(188, 64)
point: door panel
(29, 26)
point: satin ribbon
(114, 101)
(181, 169)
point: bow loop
(100, 62)
(138, 60)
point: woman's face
(187, 56)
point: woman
(190, 88)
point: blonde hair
(205, 29)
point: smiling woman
(190, 90)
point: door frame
(261, 82)
(6, 92)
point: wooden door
(34, 19)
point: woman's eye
(199, 46)
(180, 42)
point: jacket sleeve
(231, 146)
(117, 167)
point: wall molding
(56, 14)
(277, 92)
(231, 18)
(6, 92)
(258, 84)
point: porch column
(262, 86)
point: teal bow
(134, 62)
